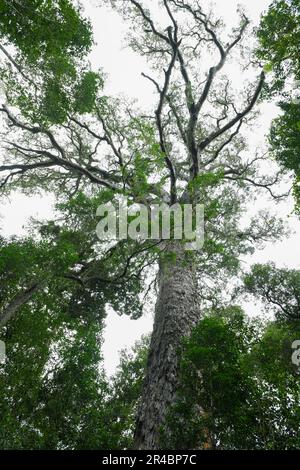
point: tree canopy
(45, 44)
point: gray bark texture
(176, 313)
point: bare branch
(202, 145)
(158, 113)
(58, 160)
(18, 67)
(224, 144)
(148, 20)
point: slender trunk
(176, 313)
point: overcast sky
(123, 68)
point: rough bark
(176, 313)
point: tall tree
(189, 150)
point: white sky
(123, 69)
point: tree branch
(202, 145)
(17, 302)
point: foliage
(285, 141)
(279, 37)
(64, 400)
(125, 394)
(51, 387)
(46, 43)
(239, 388)
(284, 137)
(278, 288)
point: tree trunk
(176, 313)
(17, 302)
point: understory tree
(189, 149)
(239, 388)
(278, 288)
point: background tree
(125, 394)
(45, 46)
(54, 392)
(279, 36)
(239, 388)
(279, 289)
